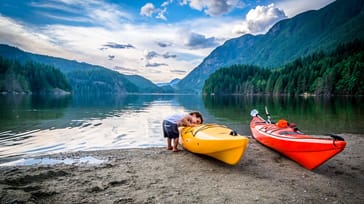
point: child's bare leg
(169, 144)
(175, 144)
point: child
(171, 124)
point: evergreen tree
(340, 72)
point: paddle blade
(254, 112)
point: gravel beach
(156, 175)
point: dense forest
(31, 77)
(340, 72)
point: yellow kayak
(217, 141)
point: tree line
(340, 72)
(30, 77)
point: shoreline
(155, 175)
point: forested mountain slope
(86, 77)
(304, 34)
(339, 73)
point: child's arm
(187, 121)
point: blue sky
(159, 40)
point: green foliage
(339, 73)
(237, 79)
(31, 77)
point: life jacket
(282, 123)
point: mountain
(31, 78)
(86, 77)
(169, 87)
(309, 32)
(173, 82)
(63, 65)
(337, 73)
(144, 85)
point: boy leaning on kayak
(171, 124)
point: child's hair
(198, 115)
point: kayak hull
(215, 141)
(308, 151)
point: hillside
(306, 33)
(31, 78)
(86, 77)
(144, 85)
(337, 73)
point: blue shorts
(170, 130)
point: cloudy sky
(159, 40)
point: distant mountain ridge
(173, 82)
(85, 77)
(324, 29)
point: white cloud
(180, 46)
(25, 37)
(88, 44)
(60, 6)
(166, 3)
(219, 27)
(72, 19)
(93, 12)
(213, 7)
(161, 14)
(148, 9)
(294, 7)
(260, 20)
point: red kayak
(308, 151)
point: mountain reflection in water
(35, 125)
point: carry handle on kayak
(337, 137)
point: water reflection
(20, 113)
(316, 115)
(88, 123)
(33, 125)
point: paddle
(255, 113)
(268, 115)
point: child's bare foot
(169, 148)
(175, 150)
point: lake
(34, 125)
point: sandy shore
(155, 175)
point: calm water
(35, 125)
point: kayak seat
(260, 123)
